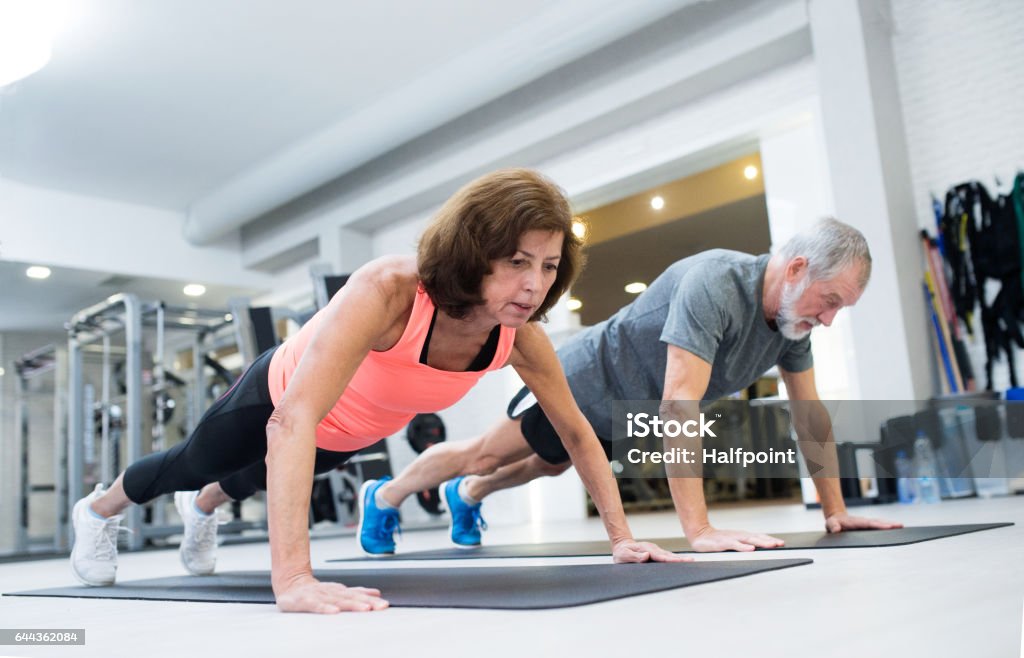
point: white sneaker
(94, 554)
(198, 550)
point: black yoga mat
(504, 588)
(794, 540)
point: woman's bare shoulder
(394, 276)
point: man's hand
(310, 595)
(711, 540)
(629, 550)
(843, 521)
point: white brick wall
(959, 64)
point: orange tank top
(389, 388)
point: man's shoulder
(719, 270)
(719, 261)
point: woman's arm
(359, 317)
(535, 360)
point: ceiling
(32, 304)
(158, 102)
(161, 104)
(169, 103)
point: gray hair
(830, 247)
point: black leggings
(229, 446)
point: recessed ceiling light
(228, 317)
(195, 290)
(636, 287)
(573, 304)
(1, 372)
(38, 272)
(750, 172)
(657, 203)
(579, 229)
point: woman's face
(517, 285)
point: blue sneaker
(376, 526)
(465, 520)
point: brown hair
(483, 222)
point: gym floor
(959, 596)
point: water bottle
(926, 469)
(906, 485)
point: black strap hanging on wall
(983, 242)
(1018, 206)
(958, 232)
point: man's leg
(463, 495)
(503, 444)
(379, 499)
(525, 470)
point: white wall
(959, 69)
(798, 193)
(867, 161)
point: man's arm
(814, 428)
(686, 381)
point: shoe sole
(359, 530)
(79, 577)
(451, 522)
(178, 501)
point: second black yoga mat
(794, 540)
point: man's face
(805, 304)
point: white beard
(787, 319)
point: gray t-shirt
(709, 304)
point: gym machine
(41, 383)
(139, 394)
